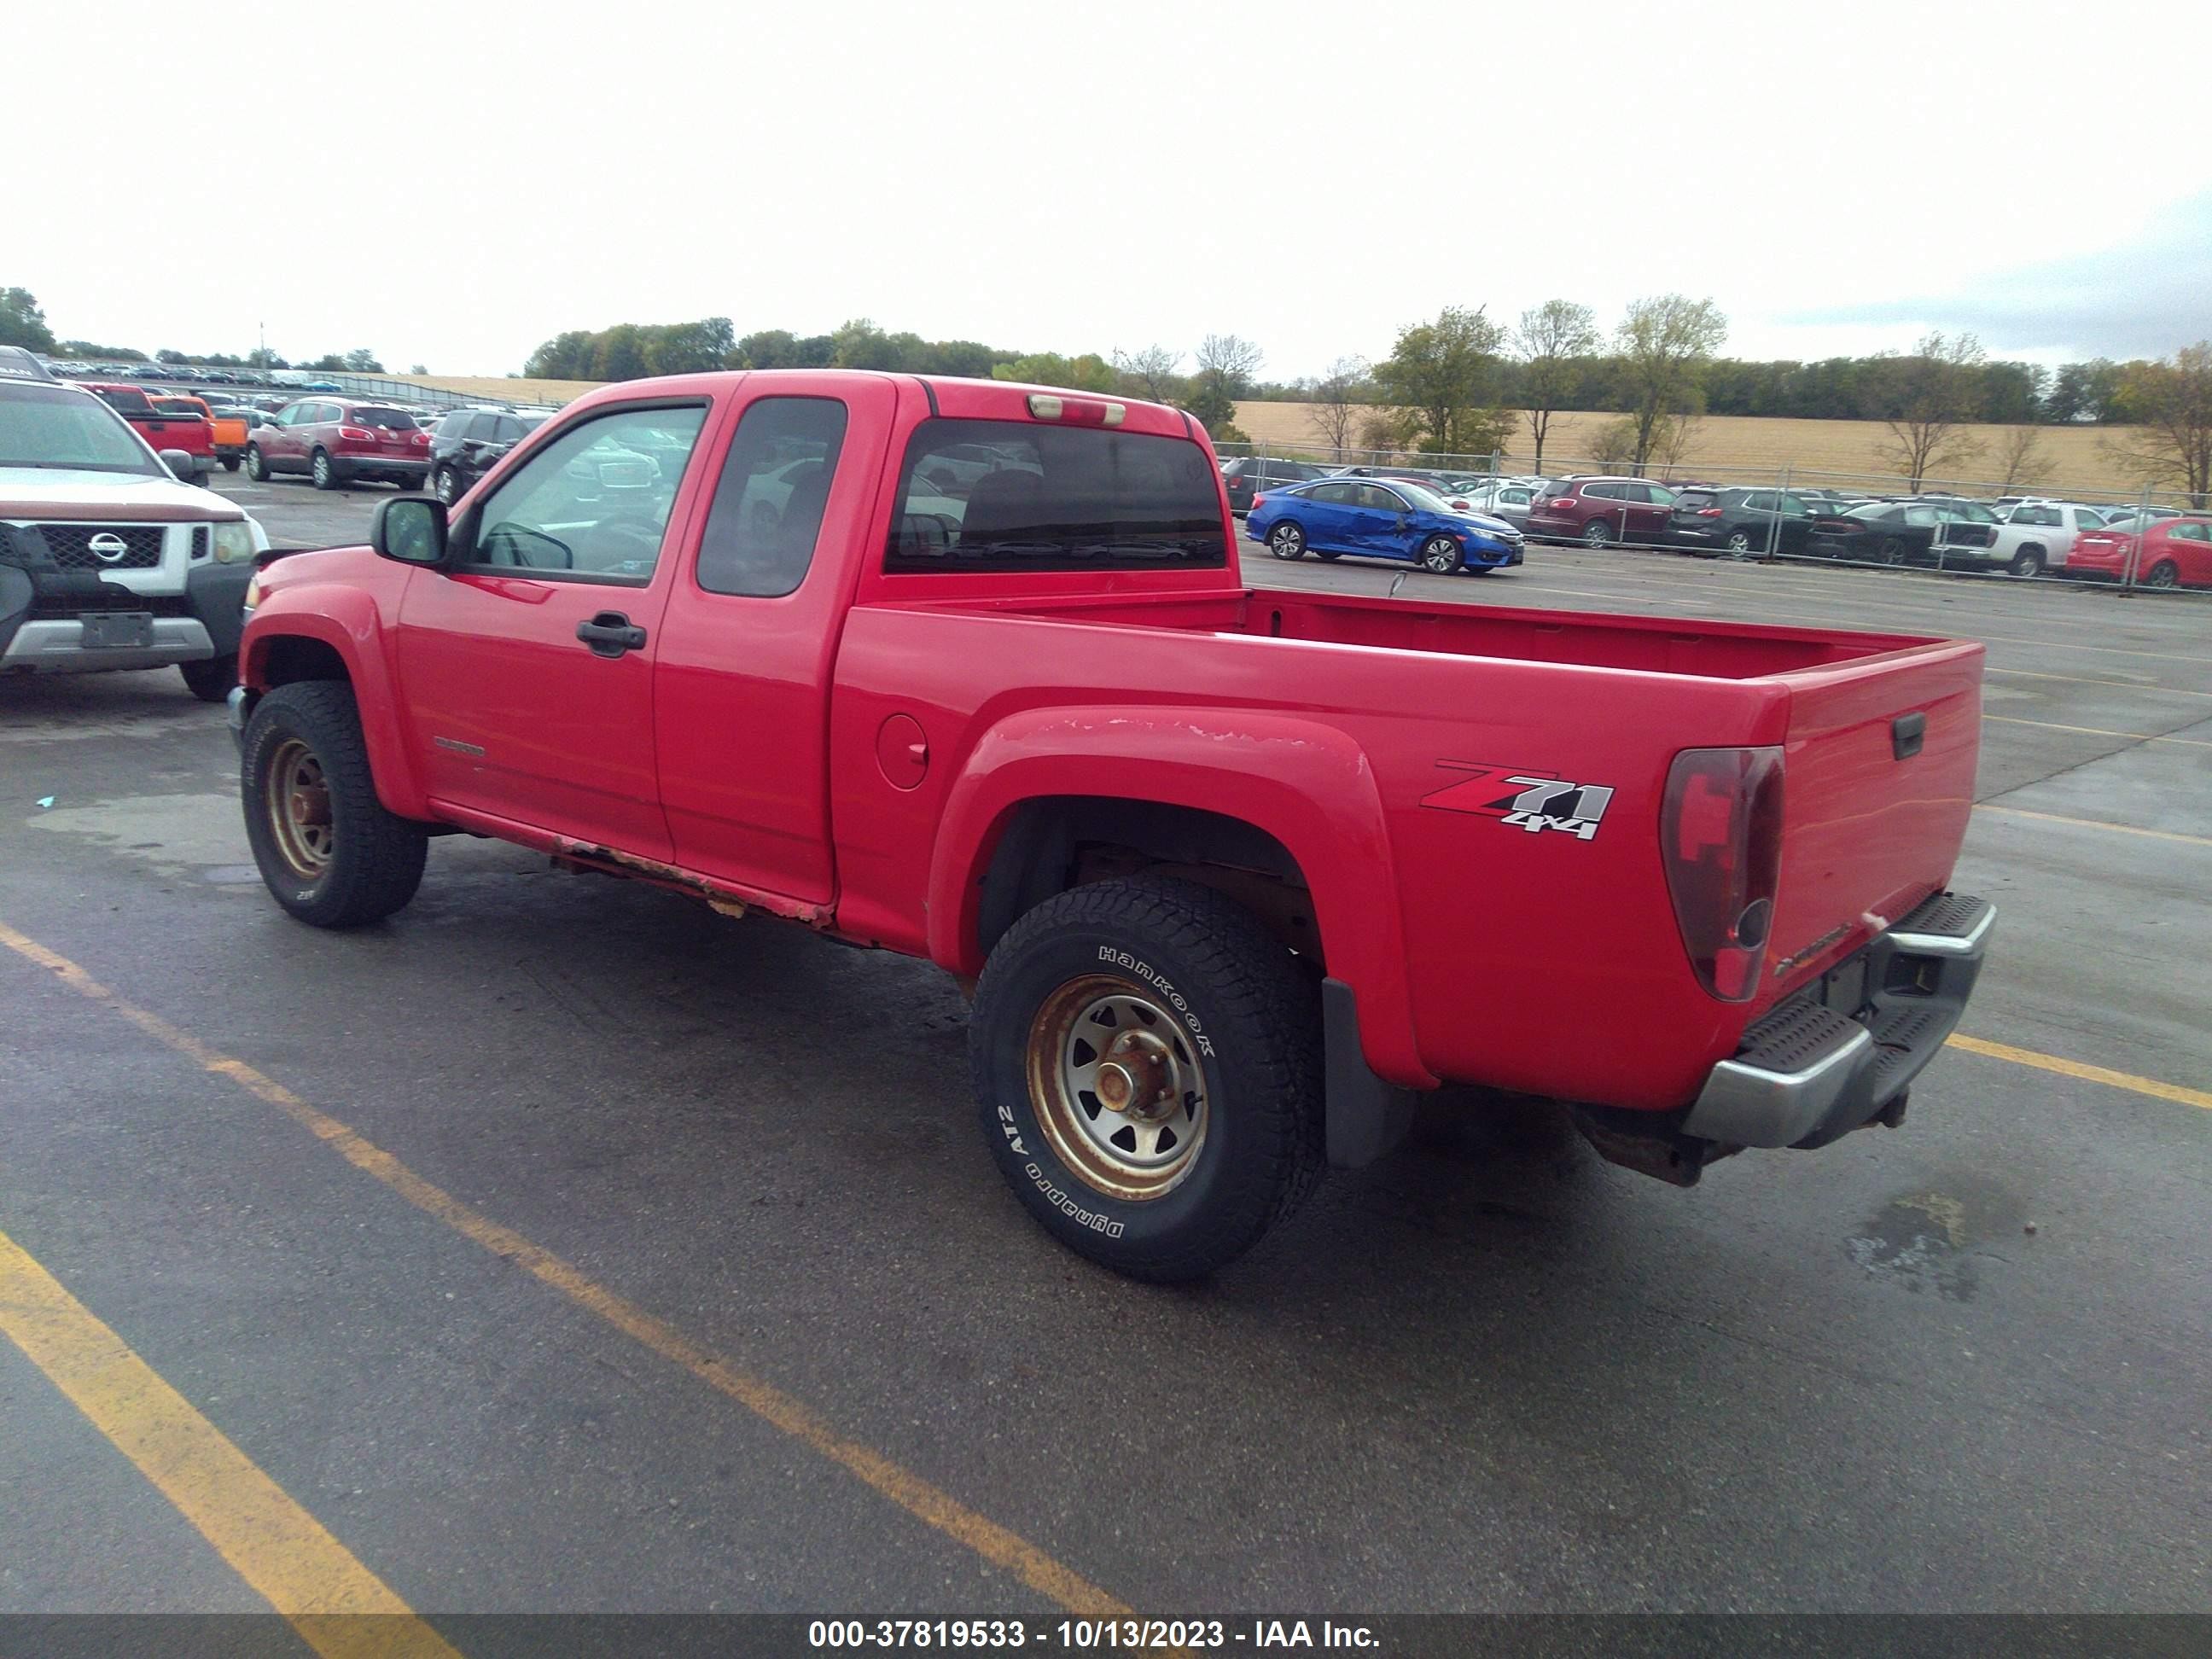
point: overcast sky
(453, 183)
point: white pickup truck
(2036, 536)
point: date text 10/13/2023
(1082, 1635)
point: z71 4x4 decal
(1527, 799)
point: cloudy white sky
(453, 183)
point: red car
(2176, 552)
(1601, 511)
(336, 440)
(1231, 872)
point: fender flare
(1307, 784)
(348, 621)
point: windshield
(1053, 498)
(1423, 497)
(394, 420)
(44, 426)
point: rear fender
(1307, 785)
(348, 621)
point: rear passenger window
(1055, 498)
(767, 516)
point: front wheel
(1287, 541)
(447, 486)
(210, 681)
(1440, 555)
(328, 848)
(324, 473)
(1147, 1065)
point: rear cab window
(1053, 498)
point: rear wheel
(327, 849)
(230, 463)
(1739, 543)
(1147, 1066)
(257, 467)
(1440, 555)
(1326, 555)
(447, 486)
(1890, 549)
(2028, 561)
(324, 473)
(1597, 533)
(1287, 541)
(2164, 573)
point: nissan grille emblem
(108, 548)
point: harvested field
(2069, 460)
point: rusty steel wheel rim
(1117, 1087)
(298, 802)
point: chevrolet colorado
(1233, 874)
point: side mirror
(180, 464)
(410, 529)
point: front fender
(1307, 785)
(348, 621)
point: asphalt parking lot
(693, 1288)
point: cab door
(741, 700)
(525, 669)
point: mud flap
(1366, 1117)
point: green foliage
(92, 349)
(1665, 344)
(361, 360)
(1228, 433)
(1088, 373)
(21, 322)
(1446, 373)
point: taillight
(1259, 501)
(357, 434)
(1721, 842)
(1709, 513)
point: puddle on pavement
(199, 834)
(1918, 1242)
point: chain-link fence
(2144, 538)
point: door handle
(610, 634)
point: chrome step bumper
(1843, 1050)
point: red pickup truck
(191, 435)
(1233, 874)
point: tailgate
(1878, 782)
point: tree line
(1463, 383)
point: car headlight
(233, 543)
(253, 591)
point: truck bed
(1430, 696)
(1652, 645)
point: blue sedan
(1381, 519)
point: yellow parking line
(2098, 730)
(2096, 823)
(272, 1543)
(927, 1502)
(2142, 1085)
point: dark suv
(1601, 511)
(1248, 476)
(465, 443)
(1741, 522)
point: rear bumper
(358, 466)
(1841, 1053)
